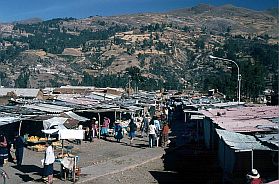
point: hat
(94, 118)
(254, 174)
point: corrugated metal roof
(20, 92)
(269, 138)
(49, 108)
(239, 141)
(133, 108)
(108, 96)
(8, 119)
(244, 119)
(78, 100)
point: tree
(23, 78)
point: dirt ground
(90, 153)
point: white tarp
(68, 162)
(55, 121)
(50, 131)
(71, 134)
(76, 117)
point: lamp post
(238, 74)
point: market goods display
(60, 155)
(36, 139)
(39, 147)
(33, 139)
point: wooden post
(114, 115)
(252, 159)
(99, 125)
(62, 147)
(74, 170)
(19, 129)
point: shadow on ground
(27, 170)
(186, 161)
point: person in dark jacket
(133, 129)
(3, 149)
(118, 131)
(19, 147)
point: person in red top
(165, 134)
(254, 177)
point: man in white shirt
(152, 134)
(48, 162)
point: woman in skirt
(133, 129)
(118, 131)
(105, 128)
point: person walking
(144, 125)
(80, 127)
(165, 134)
(133, 129)
(92, 129)
(48, 162)
(158, 130)
(19, 148)
(118, 131)
(151, 133)
(3, 149)
(105, 127)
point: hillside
(161, 50)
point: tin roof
(48, 108)
(239, 141)
(269, 138)
(20, 92)
(4, 120)
(245, 119)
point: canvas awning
(73, 115)
(55, 121)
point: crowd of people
(155, 127)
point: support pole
(19, 129)
(252, 159)
(99, 126)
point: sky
(14, 10)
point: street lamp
(238, 74)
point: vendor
(19, 147)
(105, 127)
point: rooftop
(245, 119)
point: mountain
(154, 50)
(28, 21)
